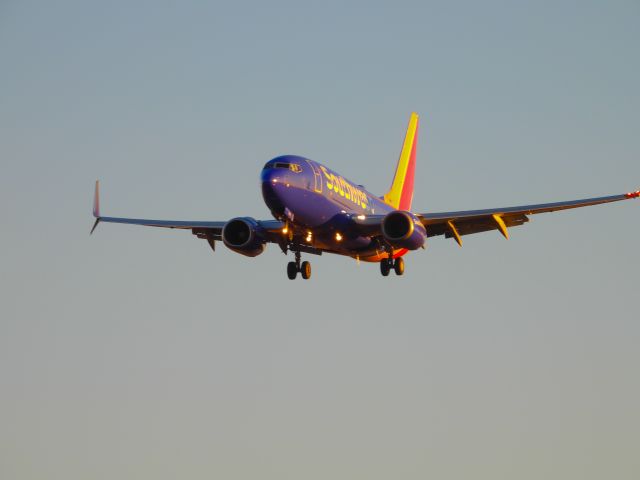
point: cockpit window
(294, 167)
(277, 165)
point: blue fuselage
(312, 198)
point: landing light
(285, 230)
(338, 237)
(308, 236)
(361, 217)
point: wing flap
(473, 225)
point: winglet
(96, 200)
(96, 206)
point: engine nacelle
(403, 230)
(244, 235)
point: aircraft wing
(456, 224)
(211, 230)
(164, 223)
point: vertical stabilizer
(400, 194)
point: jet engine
(244, 235)
(403, 230)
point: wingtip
(635, 194)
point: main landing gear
(389, 263)
(294, 267)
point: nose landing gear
(294, 267)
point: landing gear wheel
(305, 270)
(292, 270)
(398, 266)
(385, 267)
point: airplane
(316, 210)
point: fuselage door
(317, 177)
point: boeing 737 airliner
(317, 210)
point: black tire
(305, 270)
(292, 270)
(398, 266)
(385, 267)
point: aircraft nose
(270, 183)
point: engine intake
(403, 230)
(244, 235)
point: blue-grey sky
(138, 353)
